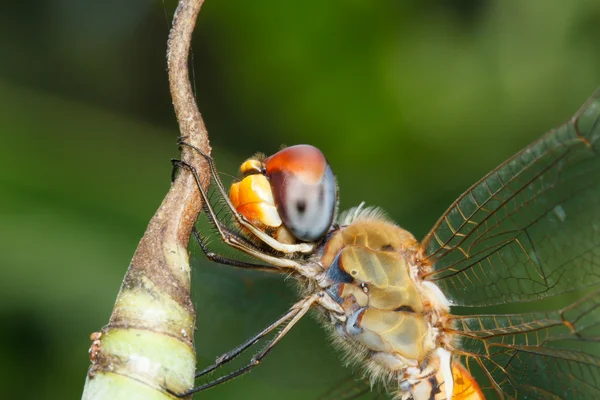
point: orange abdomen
(465, 386)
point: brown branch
(148, 342)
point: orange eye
(304, 190)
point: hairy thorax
(394, 322)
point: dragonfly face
(500, 300)
(292, 192)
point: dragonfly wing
(530, 229)
(538, 355)
(526, 238)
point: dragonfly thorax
(393, 323)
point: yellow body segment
(386, 273)
(373, 234)
(465, 386)
(389, 310)
(394, 332)
(382, 301)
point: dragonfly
(500, 300)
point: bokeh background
(411, 101)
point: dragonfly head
(291, 195)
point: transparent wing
(545, 355)
(530, 229)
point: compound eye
(304, 190)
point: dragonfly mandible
(500, 300)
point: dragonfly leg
(242, 220)
(238, 242)
(214, 257)
(287, 320)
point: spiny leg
(236, 241)
(288, 320)
(222, 229)
(214, 257)
(234, 353)
(241, 219)
(239, 236)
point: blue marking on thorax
(352, 327)
(333, 291)
(336, 273)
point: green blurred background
(411, 101)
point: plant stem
(148, 342)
